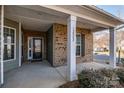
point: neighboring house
(122, 45)
(53, 33)
(101, 49)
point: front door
(34, 48)
(37, 49)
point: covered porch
(42, 75)
(41, 18)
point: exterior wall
(0, 45)
(50, 45)
(60, 45)
(8, 65)
(26, 34)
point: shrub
(107, 73)
(122, 61)
(96, 78)
(104, 78)
(90, 79)
(120, 74)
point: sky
(117, 10)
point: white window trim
(30, 48)
(78, 45)
(11, 44)
(22, 43)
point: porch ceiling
(40, 18)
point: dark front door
(37, 48)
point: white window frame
(30, 48)
(11, 44)
(78, 44)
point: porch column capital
(71, 17)
(112, 47)
(71, 48)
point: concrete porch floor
(42, 75)
(33, 75)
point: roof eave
(121, 21)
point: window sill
(9, 60)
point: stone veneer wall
(60, 45)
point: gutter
(119, 27)
(105, 13)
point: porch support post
(20, 44)
(71, 48)
(112, 47)
(2, 47)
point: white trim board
(1, 60)
(20, 45)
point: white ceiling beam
(98, 29)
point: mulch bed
(71, 84)
(76, 84)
